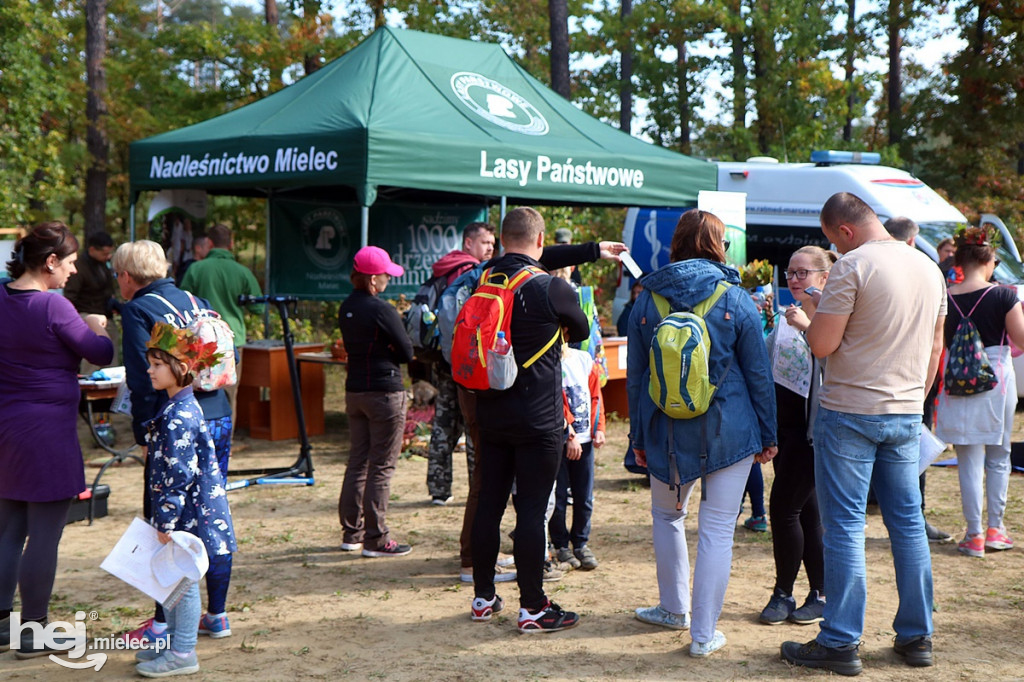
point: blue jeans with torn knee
(848, 448)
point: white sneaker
(656, 615)
(501, 575)
(351, 546)
(705, 649)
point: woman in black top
(979, 425)
(796, 524)
(377, 344)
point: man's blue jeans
(848, 449)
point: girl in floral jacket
(186, 487)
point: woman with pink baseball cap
(377, 345)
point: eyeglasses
(799, 274)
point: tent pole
(364, 226)
(266, 267)
(131, 219)
(504, 209)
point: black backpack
(968, 370)
(421, 318)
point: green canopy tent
(412, 116)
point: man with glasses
(879, 322)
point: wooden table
(614, 392)
(265, 403)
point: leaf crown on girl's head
(976, 236)
(183, 345)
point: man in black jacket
(91, 289)
(521, 431)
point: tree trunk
(895, 73)
(851, 44)
(271, 17)
(684, 97)
(761, 58)
(626, 69)
(311, 18)
(95, 205)
(739, 73)
(558, 11)
(378, 13)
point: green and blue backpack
(680, 354)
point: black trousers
(532, 462)
(796, 525)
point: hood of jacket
(686, 283)
(453, 264)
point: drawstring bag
(968, 371)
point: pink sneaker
(996, 539)
(144, 633)
(972, 545)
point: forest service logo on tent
(498, 104)
(325, 238)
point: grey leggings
(32, 566)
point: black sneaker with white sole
(813, 610)
(551, 618)
(390, 548)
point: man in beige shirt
(879, 322)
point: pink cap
(373, 260)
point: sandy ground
(302, 609)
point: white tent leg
(364, 226)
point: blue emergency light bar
(830, 156)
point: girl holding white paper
(793, 504)
(186, 488)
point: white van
(783, 203)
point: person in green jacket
(221, 279)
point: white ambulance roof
(781, 192)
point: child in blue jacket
(186, 488)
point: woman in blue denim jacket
(718, 447)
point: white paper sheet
(791, 365)
(931, 448)
(130, 560)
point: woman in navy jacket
(718, 447)
(151, 296)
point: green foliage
(591, 223)
(39, 72)
(779, 63)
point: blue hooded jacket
(741, 420)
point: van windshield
(1009, 271)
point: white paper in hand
(931, 448)
(131, 561)
(631, 265)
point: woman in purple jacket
(43, 340)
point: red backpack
(485, 313)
